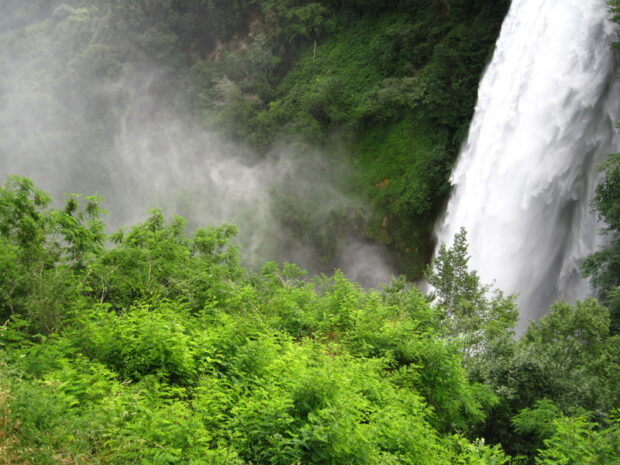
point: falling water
(544, 120)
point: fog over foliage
(77, 118)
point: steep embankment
(397, 83)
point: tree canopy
(154, 345)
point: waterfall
(525, 178)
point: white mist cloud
(72, 130)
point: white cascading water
(525, 179)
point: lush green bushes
(150, 346)
(164, 350)
(161, 349)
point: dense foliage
(153, 347)
(391, 84)
(162, 349)
(396, 80)
(603, 267)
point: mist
(120, 131)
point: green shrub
(145, 340)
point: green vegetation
(604, 266)
(403, 169)
(153, 347)
(390, 84)
(397, 82)
(162, 349)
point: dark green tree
(480, 317)
(42, 249)
(603, 267)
